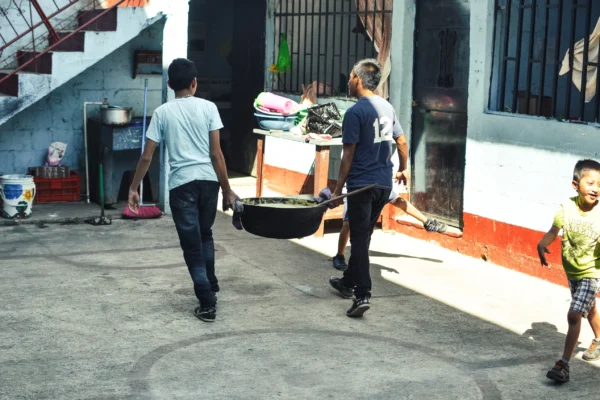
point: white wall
(518, 168)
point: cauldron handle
(238, 206)
(348, 194)
(238, 210)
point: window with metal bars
(541, 48)
(326, 38)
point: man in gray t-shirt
(189, 128)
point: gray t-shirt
(184, 124)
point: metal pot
(262, 217)
(113, 115)
(281, 223)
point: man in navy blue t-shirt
(369, 129)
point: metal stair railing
(50, 35)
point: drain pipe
(85, 143)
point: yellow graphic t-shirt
(580, 248)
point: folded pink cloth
(263, 108)
(275, 103)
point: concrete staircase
(72, 56)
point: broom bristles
(144, 212)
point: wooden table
(322, 148)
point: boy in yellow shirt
(579, 219)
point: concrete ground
(106, 313)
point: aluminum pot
(114, 115)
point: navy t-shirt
(372, 125)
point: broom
(146, 211)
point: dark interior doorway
(441, 81)
(226, 41)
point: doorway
(226, 41)
(248, 63)
(440, 97)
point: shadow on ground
(395, 255)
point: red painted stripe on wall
(503, 244)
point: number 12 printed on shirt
(383, 129)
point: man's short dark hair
(181, 74)
(369, 72)
(584, 166)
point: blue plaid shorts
(583, 294)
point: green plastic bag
(284, 62)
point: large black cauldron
(273, 222)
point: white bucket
(17, 193)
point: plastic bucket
(17, 193)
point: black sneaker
(560, 372)
(338, 284)
(432, 225)
(206, 314)
(359, 307)
(339, 262)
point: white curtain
(592, 72)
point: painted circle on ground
(311, 364)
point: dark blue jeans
(194, 208)
(363, 211)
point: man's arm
(218, 162)
(547, 239)
(403, 175)
(140, 172)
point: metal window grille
(326, 38)
(532, 38)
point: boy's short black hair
(181, 74)
(369, 72)
(584, 166)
